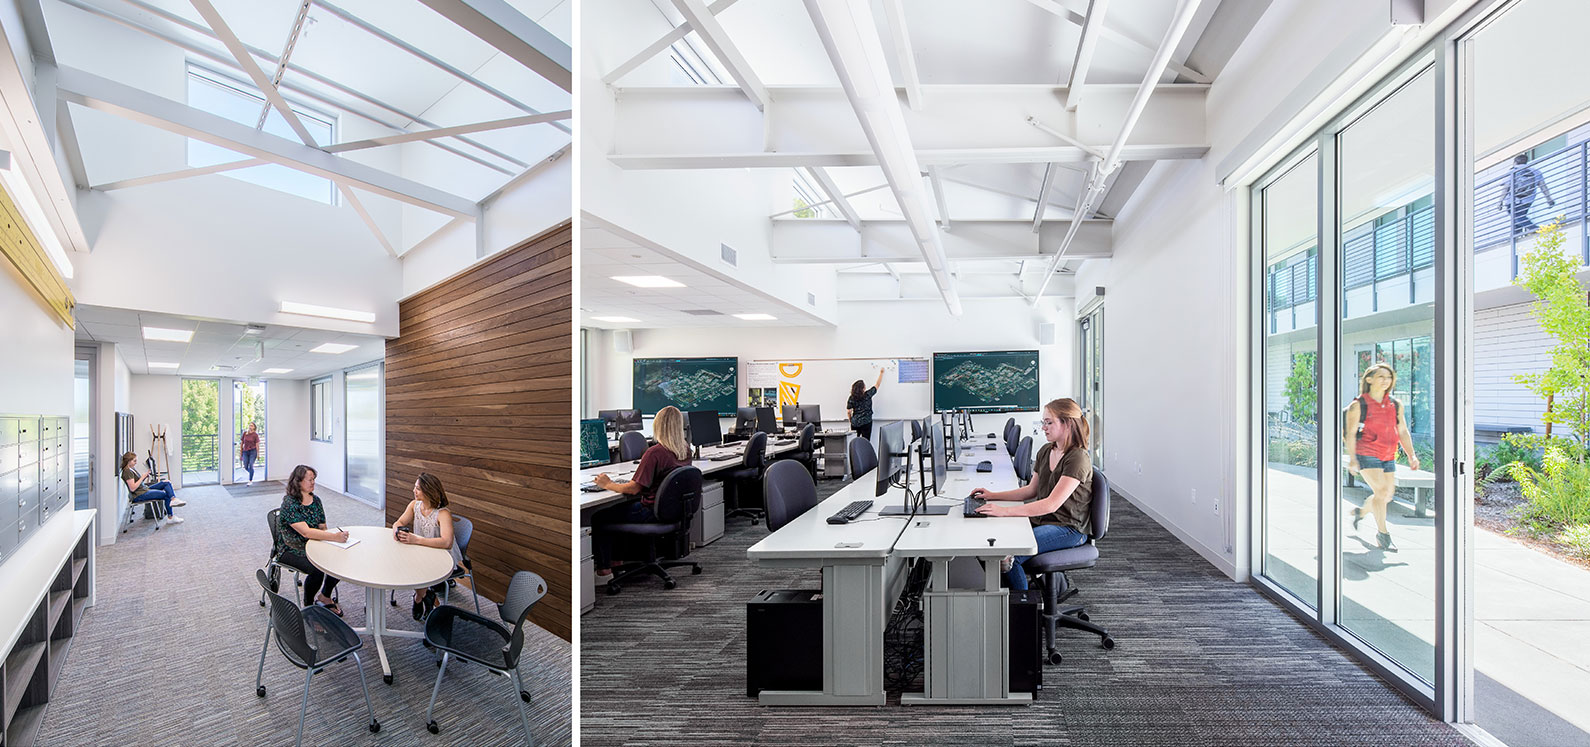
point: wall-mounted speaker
(623, 340)
(1046, 333)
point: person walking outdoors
(1519, 194)
(250, 450)
(1374, 426)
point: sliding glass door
(248, 408)
(366, 468)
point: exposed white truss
(506, 29)
(811, 241)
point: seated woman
(139, 487)
(1061, 488)
(428, 522)
(670, 451)
(303, 518)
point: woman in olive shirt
(1060, 491)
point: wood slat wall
(478, 392)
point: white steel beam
(759, 160)
(815, 126)
(409, 137)
(287, 53)
(247, 64)
(657, 47)
(1050, 172)
(919, 288)
(1121, 37)
(905, 59)
(94, 92)
(1092, 28)
(33, 154)
(69, 144)
(497, 23)
(178, 174)
(711, 32)
(891, 241)
(936, 181)
(827, 185)
(856, 193)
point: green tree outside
(1301, 398)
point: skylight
(222, 96)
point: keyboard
(589, 487)
(849, 513)
(970, 509)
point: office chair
(787, 492)
(678, 499)
(863, 458)
(311, 639)
(747, 476)
(1023, 461)
(274, 566)
(473, 638)
(806, 451)
(1050, 569)
(631, 445)
(916, 430)
(1012, 436)
(157, 505)
(462, 530)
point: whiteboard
(826, 382)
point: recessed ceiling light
(332, 347)
(615, 319)
(756, 317)
(278, 370)
(648, 281)
(168, 335)
(165, 365)
(328, 312)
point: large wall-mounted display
(1003, 381)
(687, 383)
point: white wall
(37, 376)
(287, 418)
(157, 401)
(329, 459)
(113, 385)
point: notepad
(343, 545)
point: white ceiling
(222, 344)
(604, 254)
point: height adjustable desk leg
(966, 633)
(853, 621)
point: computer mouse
(990, 435)
(637, 461)
(991, 447)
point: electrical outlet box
(1137, 467)
(1195, 495)
(1216, 504)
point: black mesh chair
(463, 529)
(744, 481)
(788, 492)
(1050, 570)
(274, 566)
(311, 639)
(678, 499)
(1012, 436)
(863, 458)
(1022, 461)
(806, 450)
(631, 445)
(473, 638)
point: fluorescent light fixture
(167, 335)
(361, 376)
(164, 365)
(327, 312)
(648, 281)
(756, 317)
(27, 201)
(332, 347)
(615, 319)
(278, 370)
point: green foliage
(200, 407)
(1557, 494)
(802, 210)
(1552, 275)
(1493, 463)
(1302, 453)
(1577, 538)
(1301, 396)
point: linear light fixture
(27, 202)
(756, 317)
(165, 365)
(648, 281)
(160, 334)
(278, 370)
(614, 319)
(327, 312)
(334, 348)
(361, 376)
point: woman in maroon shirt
(670, 451)
(250, 450)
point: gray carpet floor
(169, 653)
(1200, 660)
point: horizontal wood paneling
(478, 386)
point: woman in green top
(303, 518)
(1057, 499)
(139, 487)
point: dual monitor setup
(937, 444)
(701, 427)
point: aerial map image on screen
(686, 383)
(1001, 381)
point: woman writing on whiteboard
(1061, 490)
(859, 407)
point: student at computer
(859, 407)
(670, 451)
(303, 518)
(1060, 491)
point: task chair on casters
(863, 458)
(1012, 436)
(806, 451)
(473, 638)
(312, 639)
(678, 499)
(631, 445)
(1023, 460)
(462, 530)
(745, 478)
(788, 492)
(1050, 569)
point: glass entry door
(248, 408)
(201, 432)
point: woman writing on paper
(1058, 498)
(859, 407)
(303, 518)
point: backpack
(1524, 181)
(1363, 412)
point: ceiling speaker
(623, 340)
(1046, 333)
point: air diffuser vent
(730, 255)
(703, 312)
(811, 299)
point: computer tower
(1026, 642)
(784, 641)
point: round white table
(378, 563)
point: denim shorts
(1368, 462)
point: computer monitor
(940, 469)
(608, 418)
(627, 420)
(593, 442)
(891, 456)
(790, 415)
(744, 420)
(704, 428)
(812, 414)
(765, 421)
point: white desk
(714, 460)
(863, 566)
(378, 563)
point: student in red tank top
(1373, 428)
